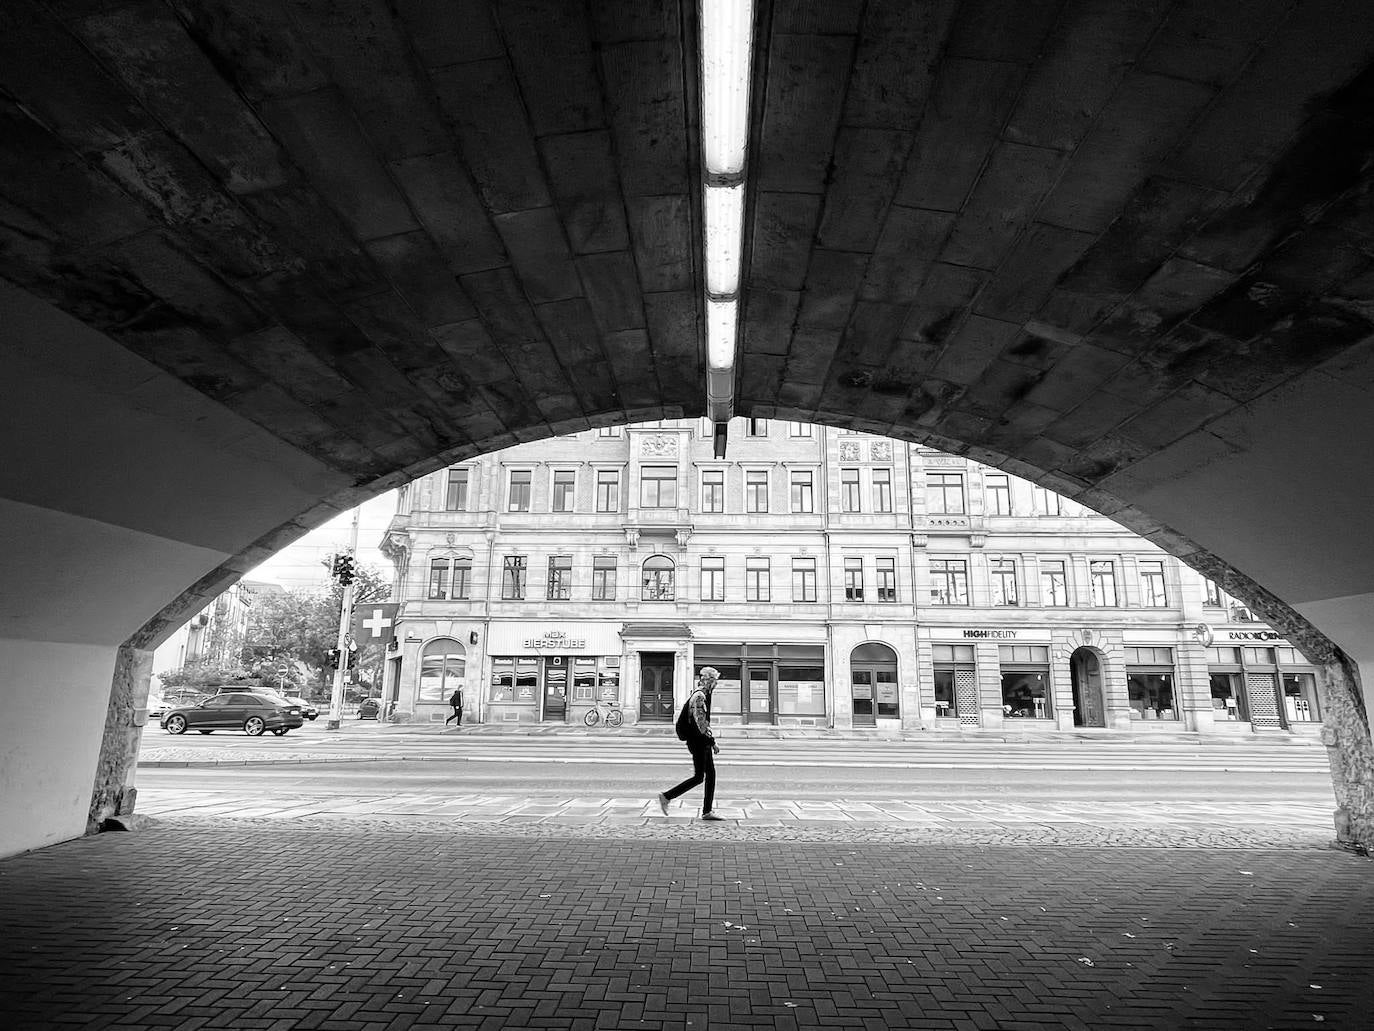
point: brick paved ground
(351, 924)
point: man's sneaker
(711, 816)
(663, 803)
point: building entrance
(762, 695)
(1086, 673)
(555, 689)
(873, 681)
(656, 687)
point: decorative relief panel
(849, 451)
(880, 450)
(660, 445)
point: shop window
(1025, 681)
(758, 580)
(887, 579)
(999, 494)
(519, 498)
(1150, 683)
(945, 493)
(1054, 584)
(462, 578)
(608, 490)
(443, 665)
(658, 486)
(513, 570)
(1003, 573)
(713, 490)
(713, 579)
(657, 580)
(564, 489)
(756, 490)
(849, 490)
(954, 668)
(456, 496)
(725, 699)
(438, 579)
(802, 491)
(583, 680)
(1228, 697)
(1152, 594)
(853, 579)
(882, 490)
(804, 579)
(1300, 698)
(1102, 578)
(608, 678)
(560, 578)
(801, 690)
(603, 578)
(948, 581)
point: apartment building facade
(835, 579)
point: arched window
(873, 676)
(658, 578)
(442, 667)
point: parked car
(235, 710)
(369, 709)
(157, 707)
(308, 709)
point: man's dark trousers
(704, 769)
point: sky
(300, 565)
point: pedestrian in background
(456, 700)
(694, 728)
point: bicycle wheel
(615, 718)
(592, 718)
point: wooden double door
(656, 687)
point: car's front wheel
(253, 726)
(176, 725)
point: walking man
(456, 700)
(694, 727)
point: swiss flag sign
(374, 623)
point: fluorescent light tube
(722, 318)
(724, 207)
(727, 37)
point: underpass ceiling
(1074, 235)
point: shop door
(656, 687)
(862, 686)
(1086, 674)
(555, 689)
(762, 695)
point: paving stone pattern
(338, 925)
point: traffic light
(345, 568)
(333, 657)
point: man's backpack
(686, 726)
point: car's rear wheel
(176, 725)
(253, 726)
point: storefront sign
(1252, 635)
(531, 637)
(1001, 635)
(555, 639)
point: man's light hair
(709, 673)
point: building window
(514, 679)
(607, 490)
(1054, 584)
(1047, 502)
(882, 490)
(1152, 593)
(1025, 681)
(1102, 577)
(1213, 595)
(887, 579)
(713, 579)
(853, 579)
(713, 490)
(945, 493)
(658, 486)
(954, 665)
(803, 491)
(438, 579)
(756, 428)
(564, 489)
(999, 494)
(757, 580)
(1226, 677)
(560, 577)
(513, 578)
(799, 429)
(1300, 698)
(456, 497)
(603, 578)
(658, 578)
(756, 490)
(443, 665)
(1003, 572)
(1150, 683)
(948, 581)
(462, 578)
(849, 490)
(519, 500)
(803, 579)
(608, 431)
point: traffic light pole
(345, 617)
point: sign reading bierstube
(555, 639)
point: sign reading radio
(1005, 635)
(1252, 635)
(555, 639)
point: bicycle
(614, 717)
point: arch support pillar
(114, 793)
(1345, 732)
